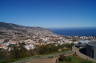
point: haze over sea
(75, 31)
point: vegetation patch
(75, 59)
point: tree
(19, 51)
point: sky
(49, 13)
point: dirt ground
(47, 60)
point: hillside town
(44, 40)
(31, 43)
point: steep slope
(18, 32)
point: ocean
(75, 31)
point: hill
(19, 32)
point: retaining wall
(78, 53)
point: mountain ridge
(14, 31)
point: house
(29, 46)
(1, 45)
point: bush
(86, 62)
(68, 59)
(61, 58)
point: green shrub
(68, 59)
(86, 61)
